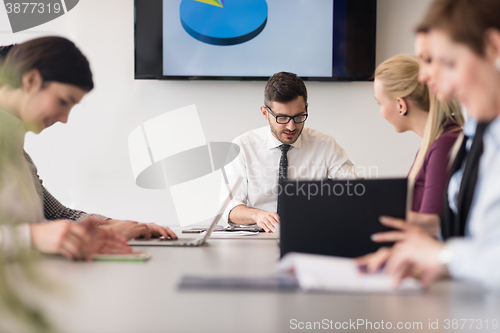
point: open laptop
(337, 217)
(195, 241)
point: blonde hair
(399, 76)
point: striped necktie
(283, 170)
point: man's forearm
(242, 215)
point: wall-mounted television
(320, 40)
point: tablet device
(337, 217)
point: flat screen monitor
(319, 40)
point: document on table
(235, 233)
(266, 283)
(326, 273)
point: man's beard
(279, 136)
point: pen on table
(364, 268)
(189, 231)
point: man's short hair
(284, 87)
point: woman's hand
(76, 240)
(403, 229)
(132, 229)
(416, 256)
(374, 262)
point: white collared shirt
(314, 156)
(456, 180)
(478, 257)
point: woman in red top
(409, 106)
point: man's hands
(244, 215)
(266, 220)
(76, 240)
(415, 254)
(132, 230)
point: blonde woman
(409, 106)
(468, 64)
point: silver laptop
(197, 241)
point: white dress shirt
(314, 156)
(478, 257)
(456, 180)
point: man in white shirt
(283, 150)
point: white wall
(85, 163)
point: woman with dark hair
(464, 38)
(40, 81)
(76, 73)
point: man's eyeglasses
(298, 119)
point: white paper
(235, 233)
(328, 273)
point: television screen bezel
(360, 39)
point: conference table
(144, 297)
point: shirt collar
(470, 125)
(493, 131)
(272, 142)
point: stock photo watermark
(323, 188)
(365, 324)
(345, 183)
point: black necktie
(448, 220)
(454, 224)
(283, 170)
(469, 179)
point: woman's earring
(497, 64)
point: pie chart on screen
(223, 22)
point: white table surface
(143, 296)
